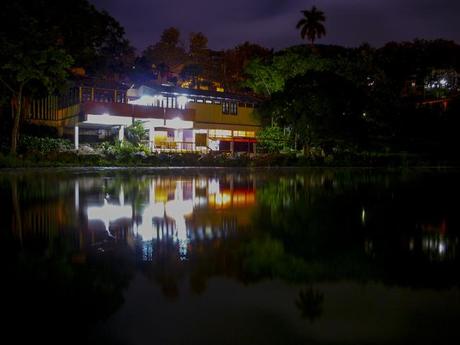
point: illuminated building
(176, 119)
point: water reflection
(94, 233)
(166, 211)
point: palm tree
(312, 24)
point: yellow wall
(211, 114)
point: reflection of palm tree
(310, 303)
(311, 25)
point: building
(176, 119)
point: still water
(216, 256)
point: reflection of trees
(50, 285)
(318, 217)
(45, 287)
(307, 227)
(310, 303)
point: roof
(166, 89)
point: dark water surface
(215, 256)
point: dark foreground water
(230, 256)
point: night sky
(272, 22)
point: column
(232, 146)
(151, 138)
(121, 133)
(76, 137)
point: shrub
(123, 150)
(44, 145)
(136, 133)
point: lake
(230, 256)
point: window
(244, 134)
(220, 133)
(230, 108)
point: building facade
(176, 119)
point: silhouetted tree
(312, 24)
(167, 51)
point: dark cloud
(272, 22)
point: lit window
(230, 108)
(220, 133)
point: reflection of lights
(201, 183)
(77, 195)
(200, 201)
(109, 213)
(441, 248)
(363, 216)
(213, 186)
(164, 216)
(220, 199)
(145, 229)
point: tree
(269, 77)
(312, 24)
(198, 45)
(32, 60)
(166, 52)
(93, 38)
(237, 59)
(322, 108)
(170, 37)
(192, 71)
(41, 39)
(272, 139)
(28, 71)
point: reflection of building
(175, 118)
(45, 221)
(177, 211)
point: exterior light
(177, 123)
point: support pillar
(232, 147)
(254, 148)
(151, 138)
(121, 133)
(76, 137)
